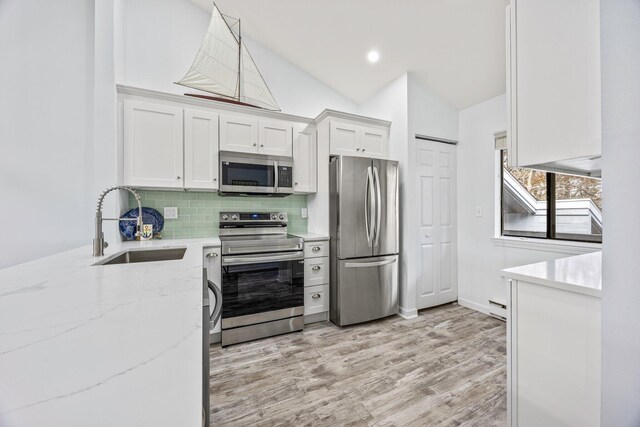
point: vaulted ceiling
(455, 47)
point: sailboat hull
(219, 99)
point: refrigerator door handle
(378, 205)
(368, 210)
(369, 264)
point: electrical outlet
(478, 210)
(171, 213)
(303, 213)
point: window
(550, 205)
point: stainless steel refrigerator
(364, 239)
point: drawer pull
(316, 248)
(315, 268)
(315, 296)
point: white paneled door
(437, 280)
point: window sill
(547, 245)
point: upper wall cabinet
(249, 135)
(553, 84)
(153, 145)
(305, 159)
(167, 146)
(358, 140)
(200, 149)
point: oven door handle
(256, 259)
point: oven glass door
(236, 175)
(260, 287)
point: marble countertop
(581, 274)
(103, 345)
(312, 237)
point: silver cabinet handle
(255, 145)
(363, 150)
(316, 248)
(315, 296)
(212, 254)
(215, 179)
(178, 177)
(261, 145)
(357, 149)
(315, 268)
(378, 203)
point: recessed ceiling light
(373, 56)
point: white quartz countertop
(116, 345)
(312, 237)
(581, 274)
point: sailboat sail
(224, 66)
(253, 89)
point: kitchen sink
(143, 255)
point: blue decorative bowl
(149, 216)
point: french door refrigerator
(363, 194)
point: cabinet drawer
(316, 249)
(316, 299)
(316, 271)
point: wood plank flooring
(445, 368)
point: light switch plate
(303, 213)
(171, 213)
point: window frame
(550, 232)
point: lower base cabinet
(316, 281)
(553, 357)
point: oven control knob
(234, 217)
(274, 217)
(225, 217)
(281, 216)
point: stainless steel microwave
(255, 175)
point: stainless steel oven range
(262, 276)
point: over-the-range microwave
(248, 174)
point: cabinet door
(373, 142)
(305, 159)
(200, 150)
(275, 139)
(153, 145)
(557, 80)
(344, 139)
(238, 134)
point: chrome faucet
(98, 241)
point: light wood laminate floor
(446, 367)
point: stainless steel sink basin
(143, 255)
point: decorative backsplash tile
(198, 213)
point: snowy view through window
(578, 207)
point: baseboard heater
(500, 305)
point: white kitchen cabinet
(200, 150)
(153, 145)
(275, 138)
(553, 356)
(238, 134)
(358, 140)
(316, 300)
(316, 281)
(253, 136)
(553, 84)
(305, 159)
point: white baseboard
(407, 313)
(474, 306)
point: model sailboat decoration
(225, 68)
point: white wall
(479, 258)
(430, 115)
(157, 41)
(620, 50)
(46, 115)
